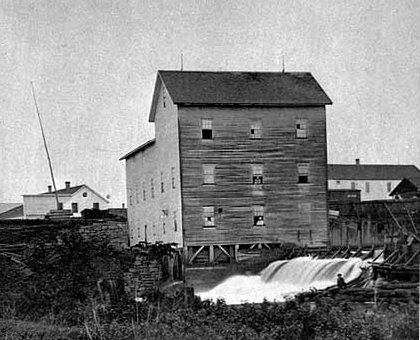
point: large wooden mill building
(239, 160)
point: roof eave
(155, 98)
(253, 104)
(140, 148)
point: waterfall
(285, 278)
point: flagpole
(46, 148)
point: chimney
(357, 161)
(49, 188)
(67, 185)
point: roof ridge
(210, 71)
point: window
(96, 206)
(256, 129)
(353, 185)
(145, 234)
(173, 177)
(144, 191)
(257, 174)
(138, 232)
(137, 194)
(60, 206)
(152, 188)
(367, 187)
(175, 224)
(162, 186)
(207, 128)
(208, 173)
(303, 172)
(258, 211)
(388, 187)
(208, 216)
(301, 128)
(304, 213)
(74, 208)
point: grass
(325, 320)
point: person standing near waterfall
(340, 282)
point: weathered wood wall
(373, 223)
(234, 152)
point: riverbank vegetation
(53, 292)
(172, 319)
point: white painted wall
(378, 190)
(150, 163)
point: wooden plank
(411, 258)
(195, 254)
(211, 253)
(223, 250)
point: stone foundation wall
(115, 232)
(13, 232)
(144, 277)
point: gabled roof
(371, 171)
(140, 148)
(65, 191)
(200, 88)
(4, 207)
(407, 185)
(68, 192)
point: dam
(285, 278)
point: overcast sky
(94, 63)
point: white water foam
(285, 278)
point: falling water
(285, 278)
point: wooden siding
(233, 152)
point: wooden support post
(185, 254)
(377, 257)
(398, 260)
(224, 251)
(336, 253)
(411, 258)
(390, 256)
(236, 252)
(196, 253)
(211, 253)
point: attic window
(207, 128)
(84, 194)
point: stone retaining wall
(14, 232)
(115, 232)
(144, 277)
